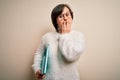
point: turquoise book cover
(45, 58)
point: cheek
(59, 22)
(70, 20)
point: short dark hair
(56, 12)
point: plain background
(23, 22)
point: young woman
(66, 47)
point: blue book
(44, 63)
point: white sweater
(65, 50)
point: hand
(39, 75)
(64, 28)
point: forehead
(65, 10)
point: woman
(66, 47)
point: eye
(60, 16)
(68, 14)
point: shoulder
(79, 36)
(49, 35)
(77, 33)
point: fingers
(43, 77)
(39, 76)
(64, 28)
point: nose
(65, 17)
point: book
(44, 63)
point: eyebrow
(65, 13)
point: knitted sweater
(65, 50)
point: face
(64, 19)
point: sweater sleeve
(71, 46)
(38, 56)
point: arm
(71, 46)
(38, 57)
(37, 61)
